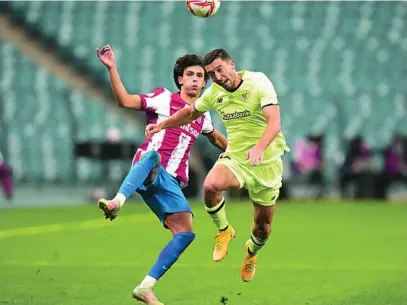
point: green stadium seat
(338, 67)
(43, 116)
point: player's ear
(180, 80)
(232, 64)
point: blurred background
(339, 68)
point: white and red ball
(203, 8)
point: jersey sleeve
(266, 92)
(208, 124)
(205, 102)
(156, 100)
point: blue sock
(170, 254)
(138, 173)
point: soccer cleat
(249, 264)
(145, 295)
(222, 242)
(109, 208)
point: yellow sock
(255, 244)
(218, 215)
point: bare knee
(212, 193)
(219, 179)
(179, 222)
(262, 230)
(212, 186)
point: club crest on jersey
(244, 94)
(219, 100)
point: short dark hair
(215, 54)
(188, 60)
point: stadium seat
(338, 68)
(43, 116)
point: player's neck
(236, 83)
(187, 99)
(238, 79)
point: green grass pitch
(339, 253)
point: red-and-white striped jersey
(173, 144)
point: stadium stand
(42, 116)
(339, 68)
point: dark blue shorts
(164, 195)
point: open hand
(106, 56)
(255, 155)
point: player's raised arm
(123, 98)
(182, 117)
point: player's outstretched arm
(182, 117)
(122, 97)
(217, 139)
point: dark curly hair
(215, 54)
(188, 60)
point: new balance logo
(222, 156)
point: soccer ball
(203, 8)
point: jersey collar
(176, 96)
(242, 73)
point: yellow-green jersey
(241, 111)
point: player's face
(193, 80)
(222, 73)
